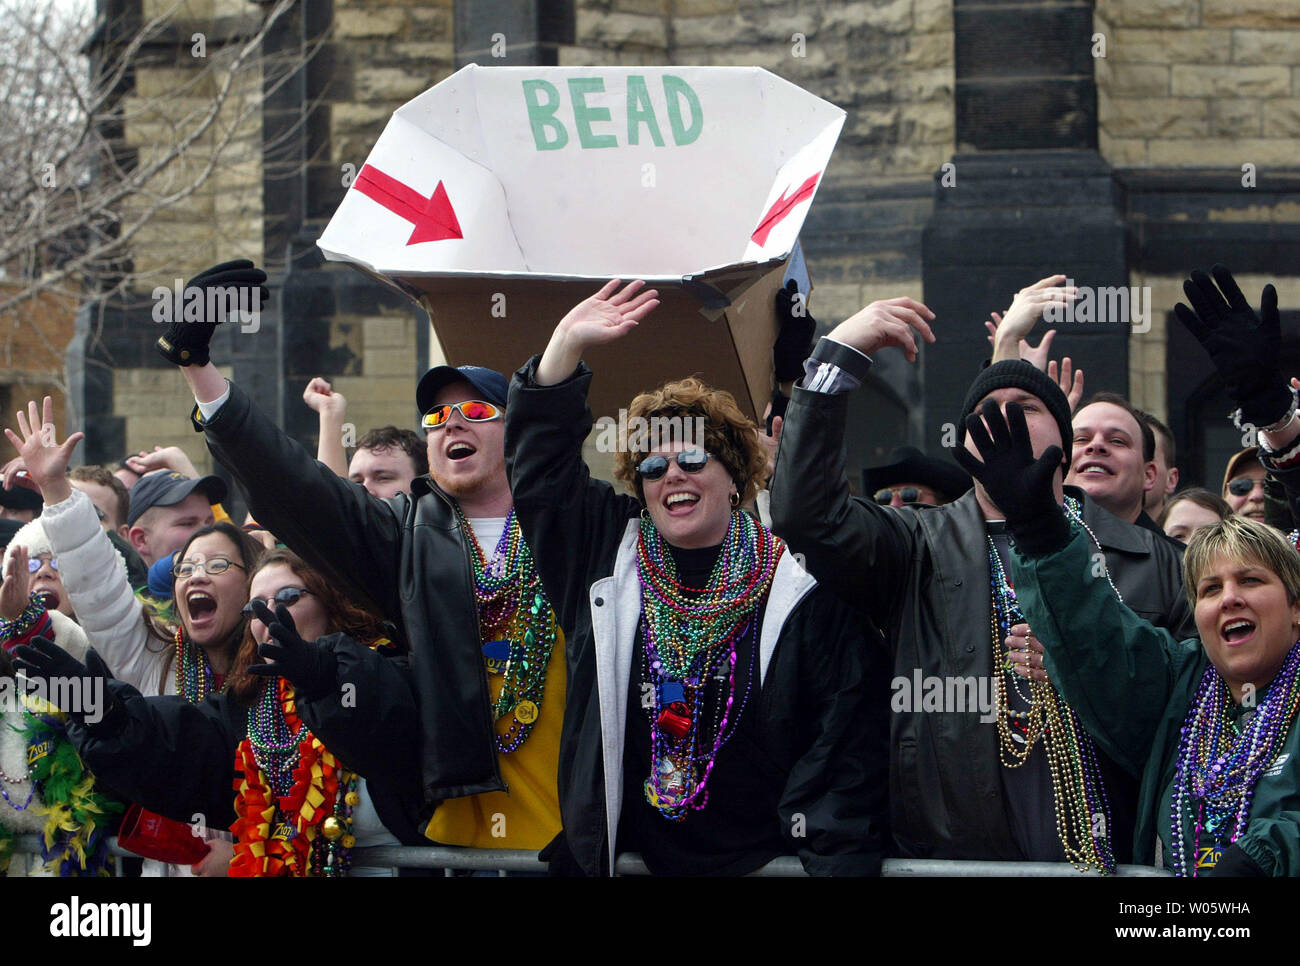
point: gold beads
(331, 828)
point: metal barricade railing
(505, 861)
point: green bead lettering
(641, 111)
(541, 116)
(675, 88)
(583, 116)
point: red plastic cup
(154, 836)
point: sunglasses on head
(34, 564)
(285, 595)
(1241, 486)
(474, 410)
(908, 494)
(690, 460)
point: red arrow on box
(433, 216)
(782, 207)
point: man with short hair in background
(1166, 467)
(387, 460)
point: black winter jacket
(823, 701)
(178, 759)
(921, 574)
(404, 557)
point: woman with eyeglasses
(298, 809)
(735, 711)
(210, 581)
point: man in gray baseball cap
(166, 507)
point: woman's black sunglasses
(690, 460)
(285, 595)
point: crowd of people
(1041, 652)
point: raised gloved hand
(1019, 485)
(794, 338)
(1245, 347)
(186, 340)
(308, 666)
(94, 705)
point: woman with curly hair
(298, 810)
(735, 711)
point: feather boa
(77, 818)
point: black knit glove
(1019, 485)
(308, 666)
(91, 703)
(794, 339)
(1245, 347)
(1234, 863)
(186, 342)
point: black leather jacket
(405, 558)
(921, 574)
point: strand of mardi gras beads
(194, 680)
(1080, 804)
(512, 607)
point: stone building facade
(987, 144)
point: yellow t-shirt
(527, 816)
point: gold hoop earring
(735, 499)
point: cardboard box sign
(504, 195)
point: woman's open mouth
(1236, 633)
(202, 607)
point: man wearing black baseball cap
(166, 507)
(464, 718)
(929, 578)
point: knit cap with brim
(1019, 374)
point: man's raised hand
(1019, 485)
(889, 322)
(1245, 347)
(45, 457)
(186, 341)
(604, 317)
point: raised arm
(565, 514)
(338, 528)
(860, 550)
(330, 407)
(91, 569)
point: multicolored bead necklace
(194, 679)
(1217, 768)
(275, 742)
(517, 627)
(1078, 792)
(690, 637)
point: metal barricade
(506, 861)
